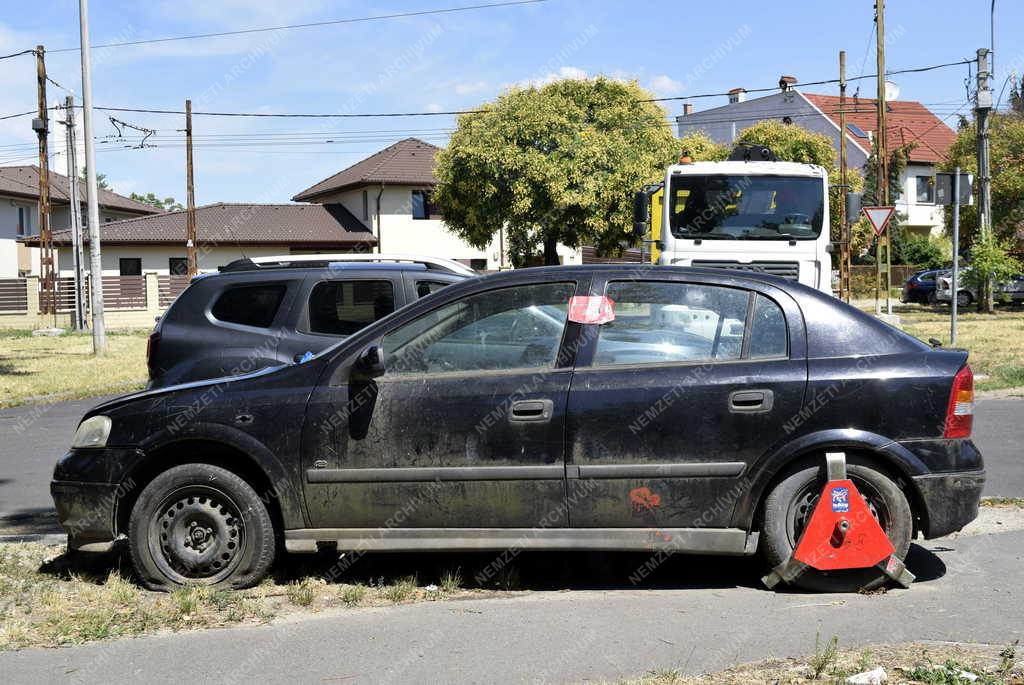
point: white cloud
(550, 77)
(470, 88)
(434, 107)
(665, 85)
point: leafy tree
(701, 148)
(556, 164)
(991, 259)
(919, 250)
(1017, 97)
(168, 204)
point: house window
(366, 206)
(422, 204)
(177, 266)
(925, 190)
(24, 221)
(130, 266)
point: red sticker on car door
(584, 309)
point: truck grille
(790, 270)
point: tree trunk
(551, 251)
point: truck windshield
(746, 207)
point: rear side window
(424, 288)
(254, 305)
(672, 322)
(345, 307)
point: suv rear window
(345, 307)
(254, 305)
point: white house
(390, 194)
(908, 123)
(19, 214)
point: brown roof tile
(24, 181)
(243, 224)
(407, 162)
(906, 122)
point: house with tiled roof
(224, 232)
(19, 213)
(391, 194)
(908, 123)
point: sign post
(879, 218)
(954, 189)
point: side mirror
(831, 248)
(369, 364)
(641, 213)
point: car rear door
(466, 427)
(676, 397)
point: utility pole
(48, 301)
(982, 109)
(99, 329)
(955, 278)
(844, 184)
(882, 159)
(190, 213)
(76, 212)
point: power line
(18, 54)
(314, 24)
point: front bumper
(86, 511)
(950, 500)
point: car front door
(464, 429)
(675, 398)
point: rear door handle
(751, 401)
(531, 410)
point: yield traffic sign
(879, 217)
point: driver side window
(510, 328)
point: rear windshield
(252, 305)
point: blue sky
(438, 63)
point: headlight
(93, 432)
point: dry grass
(991, 339)
(49, 599)
(50, 369)
(939, 663)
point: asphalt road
(32, 438)
(966, 591)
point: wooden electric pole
(76, 213)
(190, 213)
(48, 299)
(844, 188)
(882, 159)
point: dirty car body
(484, 417)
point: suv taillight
(152, 343)
(960, 413)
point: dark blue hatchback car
(921, 287)
(562, 408)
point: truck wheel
(788, 507)
(198, 524)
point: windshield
(746, 207)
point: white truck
(751, 213)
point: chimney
(737, 95)
(787, 82)
(687, 109)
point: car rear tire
(789, 505)
(199, 524)
(932, 299)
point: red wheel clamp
(841, 534)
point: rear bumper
(950, 500)
(86, 511)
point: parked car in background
(1012, 290)
(920, 287)
(605, 407)
(267, 311)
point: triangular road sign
(879, 217)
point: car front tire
(788, 508)
(199, 524)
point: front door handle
(751, 401)
(531, 410)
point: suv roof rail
(298, 261)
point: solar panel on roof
(856, 130)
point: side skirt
(724, 541)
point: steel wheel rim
(197, 535)
(803, 504)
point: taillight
(960, 413)
(152, 343)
